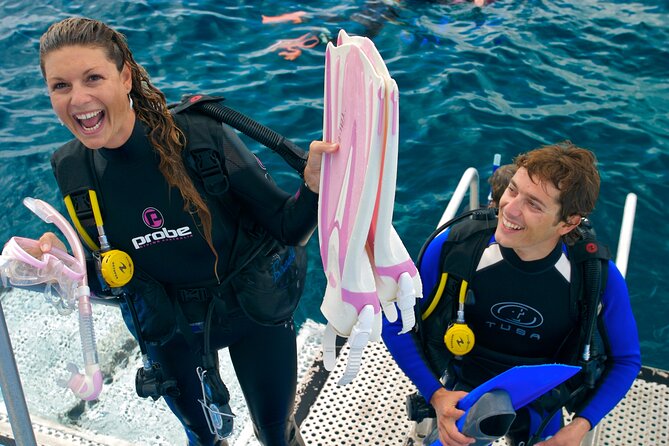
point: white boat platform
(370, 411)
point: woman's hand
(312, 172)
(444, 402)
(46, 242)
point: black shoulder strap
(78, 186)
(466, 240)
(203, 154)
(438, 310)
(590, 261)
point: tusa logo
(162, 235)
(518, 314)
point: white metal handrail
(468, 183)
(626, 228)
(12, 390)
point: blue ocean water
(473, 82)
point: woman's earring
(131, 102)
(61, 122)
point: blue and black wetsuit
(520, 311)
(144, 216)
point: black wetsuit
(144, 217)
(520, 315)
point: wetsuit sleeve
(429, 265)
(624, 357)
(406, 348)
(289, 218)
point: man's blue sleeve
(624, 357)
(405, 348)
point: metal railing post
(12, 391)
(469, 182)
(625, 238)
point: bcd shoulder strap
(466, 240)
(203, 154)
(205, 157)
(590, 262)
(589, 259)
(78, 186)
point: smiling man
(519, 283)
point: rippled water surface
(473, 82)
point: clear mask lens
(24, 274)
(59, 272)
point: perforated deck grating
(368, 411)
(371, 410)
(642, 417)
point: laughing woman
(130, 150)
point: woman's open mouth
(91, 121)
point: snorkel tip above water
(60, 267)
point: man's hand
(570, 435)
(444, 402)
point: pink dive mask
(66, 286)
(60, 273)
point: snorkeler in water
(367, 22)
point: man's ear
(572, 222)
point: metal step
(48, 433)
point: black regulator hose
(294, 155)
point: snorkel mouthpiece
(85, 386)
(88, 385)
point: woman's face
(90, 96)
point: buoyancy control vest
(267, 276)
(459, 257)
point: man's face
(528, 217)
